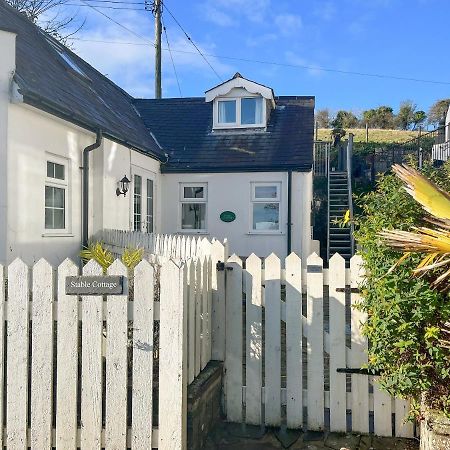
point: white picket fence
(169, 245)
(91, 364)
(281, 365)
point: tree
(381, 117)
(323, 118)
(406, 114)
(419, 119)
(47, 14)
(345, 119)
(438, 111)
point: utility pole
(157, 11)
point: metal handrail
(350, 190)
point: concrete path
(236, 437)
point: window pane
(266, 216)
(50, 169)
(137, 201)
(265, 192)
(251, 110)
(48, 218)
(193, 192)
(149, 206)
(58, 219)
(58, 198)
(227, 111)
(193, 216)
(48, 196)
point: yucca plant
(434, 242)
(97, 251)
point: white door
(143, 201)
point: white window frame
(184, 200)
(145, 175)
(254, 200)
(61, 184)
(238, 124)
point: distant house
(235, 164)
(441, 150)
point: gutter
(85, 200)
(289, 214)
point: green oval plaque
(227, 216)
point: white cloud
(217, 16)
(131, 66)
(258, 40)
(288, 23)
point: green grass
(375, 135)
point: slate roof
(183, 126)
(47, 82)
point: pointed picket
(116, 365)
(91, 365)
(233, 327)
(198, 315)
(17, 356)
(205, 314)
(191, 271)
(142, 394)
(67, 359)
(314, 320)
(272, 348)
(172, 373)
(360, 383)
(183, 248)
(253, 340)
(337, 352)
(42, 360)
(294, 387)
(218, 302)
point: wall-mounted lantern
(123, 186)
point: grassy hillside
(375, 135)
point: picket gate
(289, 328)
(103, 371)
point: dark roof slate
(183, 126)
(47, 82)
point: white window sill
(267, 232)
(61, 234)
(202, 232)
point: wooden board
(272, 348)
(234, 360)
(315, 397)
(294, 388)
(253, 340)
(42, 360)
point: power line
(275, 63)
(171, 57)
(104, 7)
(117, 23)
(192, 42)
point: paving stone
(287, 437)
(341, 440)
(313, 436)
(246, 431)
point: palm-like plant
(434, 242)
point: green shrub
(405, 315)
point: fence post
(172, 365)
(219, 252)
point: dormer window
(240, 103)
(239, 112)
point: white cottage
(235, 164)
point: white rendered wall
(7, 68)
(232, 192)
(32, 136)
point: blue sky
(403, 38)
